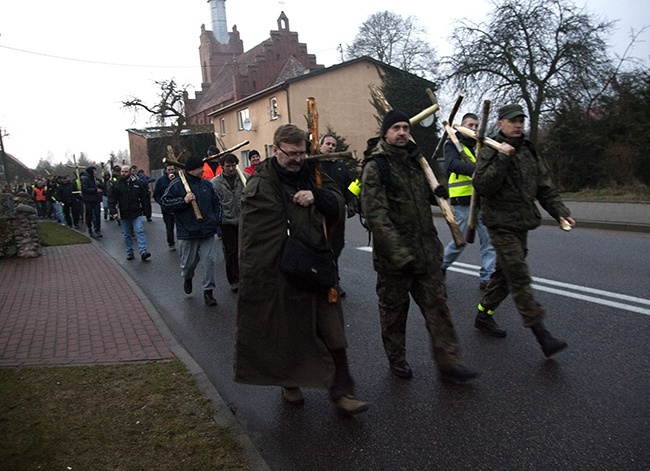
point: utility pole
(3, 154)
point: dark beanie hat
(392, 117)
(212, 150)
(252, 153)
(193, 162)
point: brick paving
(72, 306)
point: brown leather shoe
(293, 396)
(350, 405)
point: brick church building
(230, 74)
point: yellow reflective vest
(461, 185)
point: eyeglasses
(293, 155)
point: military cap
(511, 111)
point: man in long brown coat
(287, 335)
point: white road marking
(569, 290)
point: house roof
(167, 131)
(282, 84)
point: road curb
(223, 415)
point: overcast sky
(52, 106)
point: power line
(115, 64)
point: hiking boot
(172, 248)
(145, 256)
(187, 285)
(486, 323)
(550, 345)
(208, 298)
(130, 256)
(401, 369)
(293, 396)
(458, 374)
(350, 405)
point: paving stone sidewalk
(72, 306)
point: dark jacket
(277, 342)
(65, 193)
(398, 212)
(187, 226)
(509, 186)
(338, 172)
(89, 188)
(128, 196)
(159, 190)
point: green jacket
(277, 342)
(509, 186)
(398, 211)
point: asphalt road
(586, 409)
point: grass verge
(126, 416)
(53, 233)
(621, 194)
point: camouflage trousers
(511, 276)
(429, 294)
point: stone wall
(18, 226)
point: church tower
(219, 23)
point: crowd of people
(290, 331)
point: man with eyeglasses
(287, 335)
(229, 187)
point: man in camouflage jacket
(508, 183)
(407, 254)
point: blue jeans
(58, 211)
(488, 254)
(129, 226)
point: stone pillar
(18, 226)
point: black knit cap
(193, 162)
(212, 150)
(392, 117)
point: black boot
(486, 323)
(208, 298)
(550, 345)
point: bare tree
(396, 41)
(169, 110)
(540, 51)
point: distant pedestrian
(168, 217)
(229, 187)
(70, 201)
(195, 238)
(127, 197)
(254, 158)
(91, 193)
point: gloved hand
(441, 192)
(351, 211)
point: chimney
(219, 23)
